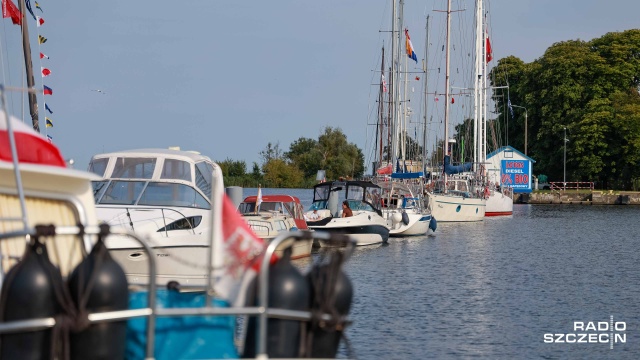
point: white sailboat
(454, 198)
(499, 200)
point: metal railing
(575, 185)
(263, 311)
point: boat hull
(418, 224)
(454, 208)
(499, 204)
(366, 228)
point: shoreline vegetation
(579, 197)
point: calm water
(493, 289)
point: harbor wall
(581, 198)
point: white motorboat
(403, 209)
(271, 215)
(366, 226)
(163, 194)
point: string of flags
(10, 10)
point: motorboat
(403, 208)
(366, 226)
(271, 215)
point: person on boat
(346, 210)
(314, 215)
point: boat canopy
(455, 169)
(409, 175)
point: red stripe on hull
(498, 213)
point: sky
(225, 78)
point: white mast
(393, 78)
(446, 91)
(477, 88)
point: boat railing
(152, 311)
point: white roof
(190, 156)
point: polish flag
(45, 71)
(39, 21)
(31, 147)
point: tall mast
(26, 47)
(445, 146)
(477, 91)
(393, 80)
(484, 91)
(424, 68)
(380, 131)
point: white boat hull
(366, 228)
(418, 223)
(499, 204)
(454, 208)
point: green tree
(279, 174)
(304, 154)
(339, 157)
(591, 89)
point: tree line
(298, 166)
(591, 89)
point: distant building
(509, 167)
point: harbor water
(550, 281)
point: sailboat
(402, 191)
(499, 199)
(454, 197)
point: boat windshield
(98, 166)
(134, 168)
(321, 192)
(176, 170)
(154, 194)
(318, 205)
(250, 207)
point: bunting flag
(43, 56)
(49, 122)
(489, 52)
(417, 78)
(384, 84)
(39, 21)
(46, 106)
(28, 4)
(45, 71)
(409, 46)
(38, 7)
(41, 39)
(47, 90)
(50, 138)
(9, 9)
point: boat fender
(288, 289)
(405, 218)
(293, 228)
(34, 289)
(331, 293)
(433, 224)
(98, 284)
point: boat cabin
(153, 177)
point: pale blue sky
(226, 77)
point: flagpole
(26, 47)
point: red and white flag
(384, 84)
(39, 21)
(238, 252)
(43, 56)
(45, 71)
